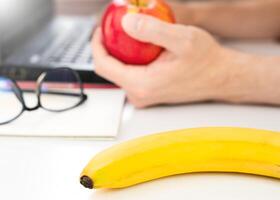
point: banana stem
(86, 182)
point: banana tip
(86, 182)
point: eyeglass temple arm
(56, 93)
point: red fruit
(118, 43)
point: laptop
(33, 40)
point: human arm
(193, 68)
(234, 19)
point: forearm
(236, 19)
(249, 79)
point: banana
(213, 149)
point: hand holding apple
(118, 43)
(192, 68)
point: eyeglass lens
(10, 103)
(60, 90)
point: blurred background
(79, 7)
(83, 7)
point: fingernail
(130, 22)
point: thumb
(150, 29)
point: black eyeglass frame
(19, 93)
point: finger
(112, 69)
(103, 62)
(150, 29)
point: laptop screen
(19, 19)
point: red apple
(118, 43)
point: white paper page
(98, 117)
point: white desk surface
(49, 168)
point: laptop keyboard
(65, 42)
(71, 46)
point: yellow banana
(213, 149)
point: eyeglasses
(57, 90)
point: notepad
(99, 117)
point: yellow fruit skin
(213, 149)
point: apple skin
(123, 47)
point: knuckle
(191, 33)
(146, 24)
(191, 36)
(189, 40)
(185, 47)
(142, 25)
(186, 35)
